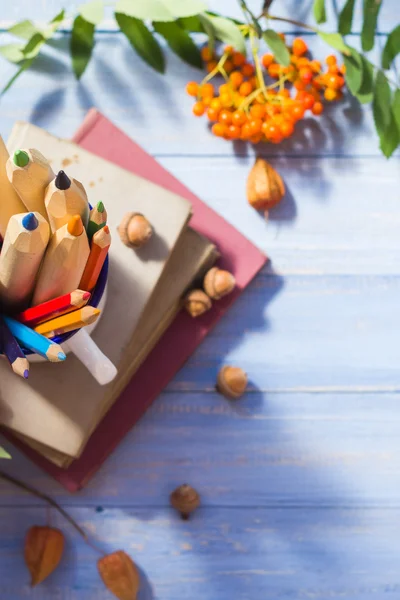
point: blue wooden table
(300, 480)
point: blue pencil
(35, 342)
(12, 351)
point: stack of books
(66, 421)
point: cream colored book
(194, 256)
(58, 406)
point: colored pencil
(100, 244)
(97, 219)
(30, 173)
(10, 203)
(24, 245)
(65, 198)
(34, 341)
(12, 351)
(54, 308)
(64, 262)
(73, 320)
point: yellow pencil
(69, 322)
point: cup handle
(84, 348)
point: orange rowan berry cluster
(251, 106)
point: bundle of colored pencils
(53, 250)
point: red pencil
(53, 308)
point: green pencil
(97, 219)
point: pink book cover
(98, 135)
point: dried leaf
(120, 575)
(43, 551)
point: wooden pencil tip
(30, 222)
(26, 374)
(106, 229)
(86, 296)
(100, 207)
(75, 226)
(61, 356)
(21, 158)
(62, 181)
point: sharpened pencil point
(62, 181)
(106, 229)
(75, 226)
(86, 295)
(61, 356)
(100, 207)
(26, 374)
(21, 158)
(30, 222)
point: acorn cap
(232, 382)
(197, 303)
(218, 283)
(185, 499)
(135, 230)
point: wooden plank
(221, 553)
(267, 449)
(155, 110)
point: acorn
(135, 230)
(231, 382)
(185, 500)
(265, 187)
(218, 283)
(197, 303)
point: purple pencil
(12, 351)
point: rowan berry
(236, 79)
(306, 74)
(246, 88)
(207, 100)
(207, 89)
(245, 132)
(224, 89)
(287, 128)
(303, 62)
(257, 111)
(228, 66)
(299, 84)
(317, 109)
(330, 94)
(238, 59)
(206, 54)
(333, 69)
(233, 132)
(248, 70)
(255, 126)
(274, 70)
(297, 111)
(256, 139)
(226, 100)
(239, 118)
(210, 66)
(315, 66)
(228, 50)
(267, 60)
(192, 88)
(212, 114)
(273, 133)
(284, 93)
(308, 101)
(218, 129)
(331, 60)
(198, 109)
(216, 104)
(254, 82)
(225, 117)
(299, 47)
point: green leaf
(365, 93)
(392, 48)
(142, 41)
(81, 46)
(93, 11)
(396, 108)
(24, 30)
(371, 10)
(381, 103)
(25, 65)
(336, 41)
(319, 11)
(277, 46)
(3, 453)
(160, 10)
(346, 17)
(390, 138)
(225, 30)
(192, 24)
(54, 24)
(354, 71)
(180, 42)
(12, 52)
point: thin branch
(290, 21)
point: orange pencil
(100, 244)
(69, 322)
